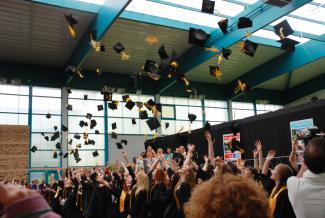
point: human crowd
(174, 185)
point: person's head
(182, 149)
(169, 150)
(149, 154)
(250, 172)
(159, 176)
(228, 196)
(142, 182)
(281, 173)
(160, 151)
(233, 167)
(314, 155)
(188, 175)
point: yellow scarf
(122, 199)
(273, 197)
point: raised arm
(208, 137)
(270, 156)
(259, 146)
(292, 157)
(187, 160)
(206, 163)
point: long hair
(284, 172)
(189, 178)
(142, 183)
(160, 177)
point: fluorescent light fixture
(311, 11)
(271, 35)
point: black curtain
(273, 129)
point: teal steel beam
(272, 96)
(306, 88)
(70, 4)
(106, 16)
(284, 63)
(261, 15)
(318, 4)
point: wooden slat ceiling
(37, 34)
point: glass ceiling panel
(311, 11)
(303, 26)
(221, 7)
(271, 35)
(96, 2)
(173, 13)
(319, 1)
(248, 1)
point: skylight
(311, 11)
(248, 1)
(173, 13)
(271, 35)
(303, 25)
(96, 2)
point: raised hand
(258, 145)
(206, 158)
(270, 154)
(208, 136)
(240, 163)
(255, 153)
(190, 147)
(218, 160)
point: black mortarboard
(134, 121)
(55, 155)
(89, 116)
(223, 25)
(46, 138)
(234, 128)
(58, 146)
(42, 133)
(125, 97)
(65, 155)
(197, 37)
(72, 21)
(250, 48)
(153, 123)
(119, 145)
(214, 70)
(55, 136)
(179, 158)
(93, 123)
(149, 104)
(70, 142)
(158, 107)
(288, 44)
(124, 141)
(68, 89)
(91, 142)
(166, 125)
(118, 47)
(143, 115)
(55, 128)
(114, 135)
(244, 22)
(208, 6)
(48, 115)
(226, 52)
(82, 123)
(162, 52)
(78, 145)
(100, 107)
(61, 153)
(207, 126)
(95, 153)
(64, 128)
(113, 105)
(277, 3)
(283, 29)
(108, 96)
(33, 149)
(191, 117)
(69, 107)
(150, 66)
(113, 125)
(139, 104)
(76, 136)
(129, 104)
(85, 97)
(96, 132)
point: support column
(254, 105)
(229, 105)
(64, 121)
(30, 109)
(203, 112)
(159, 130)
(106, 147)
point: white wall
(320, 95)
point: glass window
(242, 105)
(129, 128)
(167, 112)
(73, 124)
(44, 159)
(216, 114)
(214, 103)
(99, 142)
(43, 105)
(240, 114)
(14, 103)
(14, 89)
(41, 124)
(13, 119)
(91, 94)
(47, 92)
(171, 129)
(87, 159)
(82, 107)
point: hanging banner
(227, 151)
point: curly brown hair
(228, 196)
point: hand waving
(270, 154)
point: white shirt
(307, 195)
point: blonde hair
(190, 178)
(142, 183)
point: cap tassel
(220, 59)
(151, 40)
(72, 31)
(174, 64)
(281, 33)
(125, 56)
(99, 71)
(248, 34)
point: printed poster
(228, 154)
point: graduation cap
(244, 22)
(33, 149)
(166, 125)
(162, 52)
(70, 142)
(60, 153)
(113, 105)
(55, 128)
(288, 44)
(100, 107)
(95, 153)
(149, 104)
(71, 22)
(66, 155)
(69, 107)
(249, 47)
(283, 29)
(91, 142)
(139, 104)
(207, 126)
(143, 115)
(96, 132)
(68, 89)
(226, 52)
(55, 136)
(181, 78)
(85, 135)
(64, 128)
(85, 97)
(118, 48)
(114, 125)
(93, 123)
(150, 66)
(114, 135)
(107, 96)
(153, 123)
(55, 155)
(223, 25)
(191, 117)
(78, 145)
(134, 121)
(154, 76)
(77, 136)
(208, 6)
(215, 72)
(89, 116)
(48, 115)
(234, 128)
(179, 158)
(58, 146)
(241, 87)
(119, 145)
(46, 138)
(235, 145)
(82, 123)
(129, 104)
(197, 37)
(123, 141)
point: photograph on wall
(230, 154)
(299, 130)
